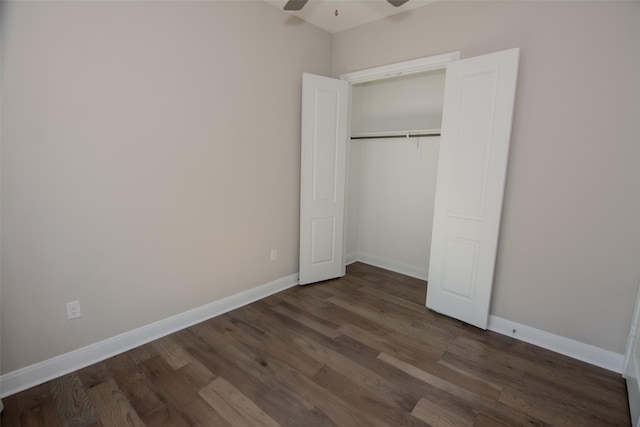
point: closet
(391, 170)
(389, 118)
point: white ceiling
(351, 13)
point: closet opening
(386, 179)
(392, 166)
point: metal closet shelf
(399, 134)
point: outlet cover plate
(73, 310)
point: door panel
(323, 238)
(476, 128)
(322, 177)
(459, 277)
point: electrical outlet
(73, 310)
(274, 254)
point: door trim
(401, 68)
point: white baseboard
(575, 349)
(24, 378)
(398, 267)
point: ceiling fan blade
(296, 4)
(397, 3)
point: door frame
(405, 68)
(401, 68)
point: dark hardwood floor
(357, 351)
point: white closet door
(476, 128)
(325, 105)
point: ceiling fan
(299, 4)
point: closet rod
(416, 135)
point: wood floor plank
(553, 410)
(164, 416)
(430, 335)
(226, 326)
(234, 406)
(94, 374)
(294, 358)
(259, 382)
(123, 369)
(601, 406)
(363, 399)
(394, 344)
(443, 413)
(385, 389)
(453, 381)
(428, 378)
(496, 367)
(72, 402)
(282, 380)
(462, 377)
(385, 295)
(112, 406)
(393, 310)
(174, 355)
(483, 420)
(324, 309)
(196, 373)
(10, 415)
(141, 397)
(172, 388)
(308, 320)
(360, 350)
(249, 329)
(410, 288)
(578, 376)
(43, 415)
(34, 397)
(142, 353)
(480, 402)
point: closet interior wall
(391, 181)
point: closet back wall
(390, 202)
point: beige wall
(150, 161)
(150, 158)
(569, 256)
